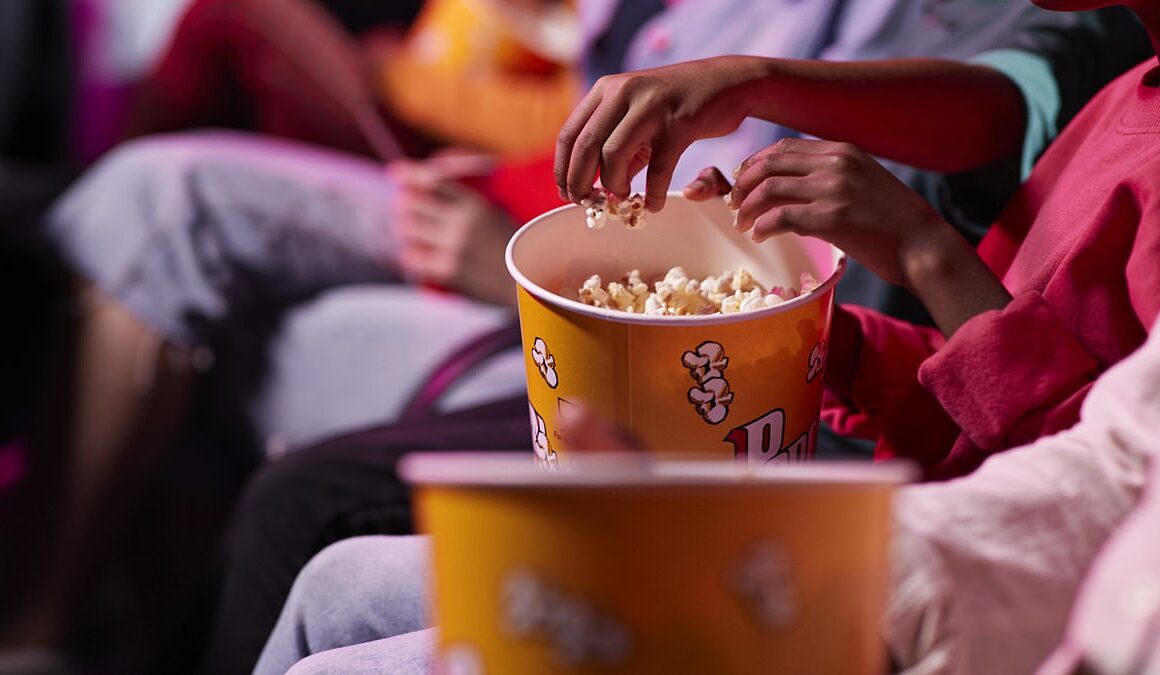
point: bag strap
(462, 361)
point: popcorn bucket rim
(607, 470)
(617, 316)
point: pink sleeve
(1012, 375)
(882, 368)
(1142, 272)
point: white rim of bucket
(652, 319)
(596, 469)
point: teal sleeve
(1033, 76)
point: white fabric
(987, 566)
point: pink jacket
(1079, 249)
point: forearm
(935, 114)
(943, 271)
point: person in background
(383, 80)
(193, 216)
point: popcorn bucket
(631, 565)
(747, 386)
(488, 34)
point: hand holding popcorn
(838, 193)
(649, 117)
(603, 204)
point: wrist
(747, 78)
(932, 257)
(953, 283)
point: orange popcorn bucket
(747, 386)
(621, 564)
(491, 34)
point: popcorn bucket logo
(763, 440)
(742, 385)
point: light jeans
(358, 606)
(284, 253)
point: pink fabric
(987, 566)
(1115, 625)
(1079, 249)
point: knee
(378, 573)
(361, 589)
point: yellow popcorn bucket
(747, 386)
(631, 565)
(493, 34)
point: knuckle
(782, 219)
(848, 149)
(586, 140)
(838, 162)
(834, 183)
(839, 212)
(783, 144)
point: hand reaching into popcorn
(897, 109)
(836, 192)
(450, 235)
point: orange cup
(636, 565)
(747, 386)
(490, 34)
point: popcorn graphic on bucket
(663, 377)
(711, 396)
(545, 362)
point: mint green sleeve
(1032, 74)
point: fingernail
(736, 172)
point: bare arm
(934, 114)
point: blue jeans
(359, 606)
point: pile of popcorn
(603, 204)
(678, 294)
